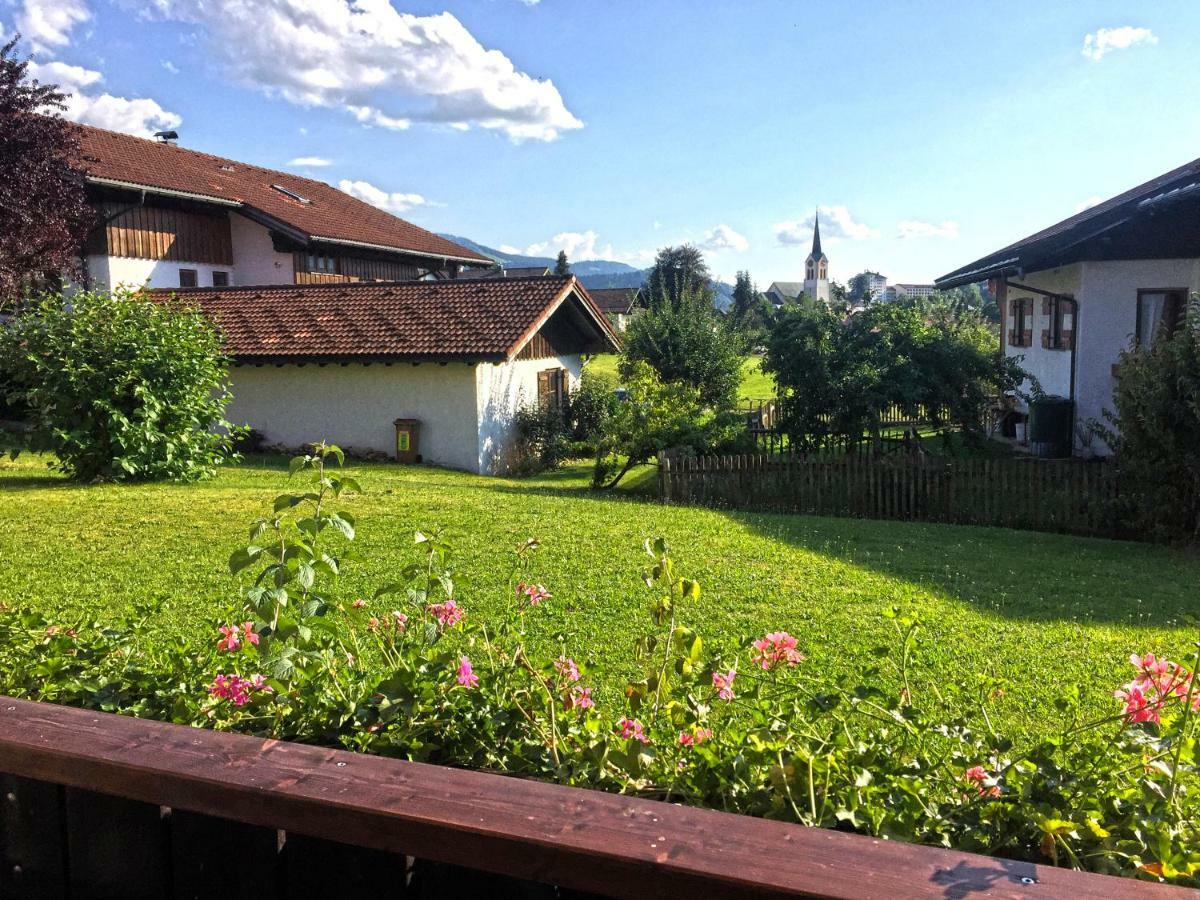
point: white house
(342, 362)
(1076, 294)
(174, 217)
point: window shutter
(544, 388)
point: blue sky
(930, 132)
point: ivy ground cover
(1044, 614)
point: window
(1060, 335)
(288, 192)
(553, 388)
(314, 262)
(1159, 313)
(1021, 333)
(220, 279)
(188, 278)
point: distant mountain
(593, 273)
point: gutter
(165, 192)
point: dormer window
(227, 168)
(288, 192)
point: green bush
(751, 727)
(592, 406)
(119, 387)
(1156, 432)
(543, 439)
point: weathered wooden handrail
(578, 839)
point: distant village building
(876, 286)
(900, 290)
(781, 292)
(816, 267)
(619, 304)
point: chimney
(166, 137)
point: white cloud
(47, 24)
(395, 202)
(310, 161)
(388, 68)
(913, 228)
(723, 238)
(578, 244)
(1103, 41)
(140, 116)
(836, 223)
(1091, 201)
(170, 67)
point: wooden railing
(1069, 496)
(764, 424)
(97, 805)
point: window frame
(223, 275)
(192, 274)
(557, 381)
(1060, 338)
(1177, 297)
(1020, 312)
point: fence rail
(1042, 495)
(763, 423)
(97, 805)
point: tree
(678, 271)
(120, 387)
(750, 311)
(687, 342)
(1155, 431)
(656, 415)
(561, 266)
(837, 376)
(44, 213)
(858, 290)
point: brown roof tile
(481, 319)
(330, 213)
(615, 300)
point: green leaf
(243, 557)
(297, 463)
(287, 501)
(342, 525)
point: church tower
(816, 267)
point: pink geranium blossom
(248, 634)
(566, 667)
(1158, 681)
(723, 683)
(776, 647)
(236, 689)
(978, 776)
(632, 728)
(466, 675)
(359, 603)
(692, 738)
(399, 621)
(448, 614)
(229, 639)
(535, 592)
(578, 697)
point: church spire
(816, 250)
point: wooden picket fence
(1070, 496)
(764, 425)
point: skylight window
(288, 192)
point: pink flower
(692, 738)
(372, 623)
(248, 634)
(448, 614)
(466, 676)
(236, 689)
(1138, 706)
(565, 667)
(399, 621)
(229, 639)
(1157, 681)
(632, 728)
(535, 592)
(978, 776)
(579, 697)
(359, 603)
(776, 647)
(723, 683)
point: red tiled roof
(615, 300)
(479, 319)
(330, 213)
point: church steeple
(816, 267)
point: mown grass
(756, 384)
(1043, 611)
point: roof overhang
(162, 192)
(587, 304)
(391, 249)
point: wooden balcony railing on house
(97, 805)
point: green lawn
(1043, 611)
(755, 384)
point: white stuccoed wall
(501, 391)
(1107, 296)
(254, 258)
(109, 272)
(355, 406)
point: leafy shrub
(411, 672)
(119, 387)
(593, 404)
(1156, 432)
(543, 439)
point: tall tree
(44, 213)
(562, 266)
(676, 273)
(750, 311)
(859, 288)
